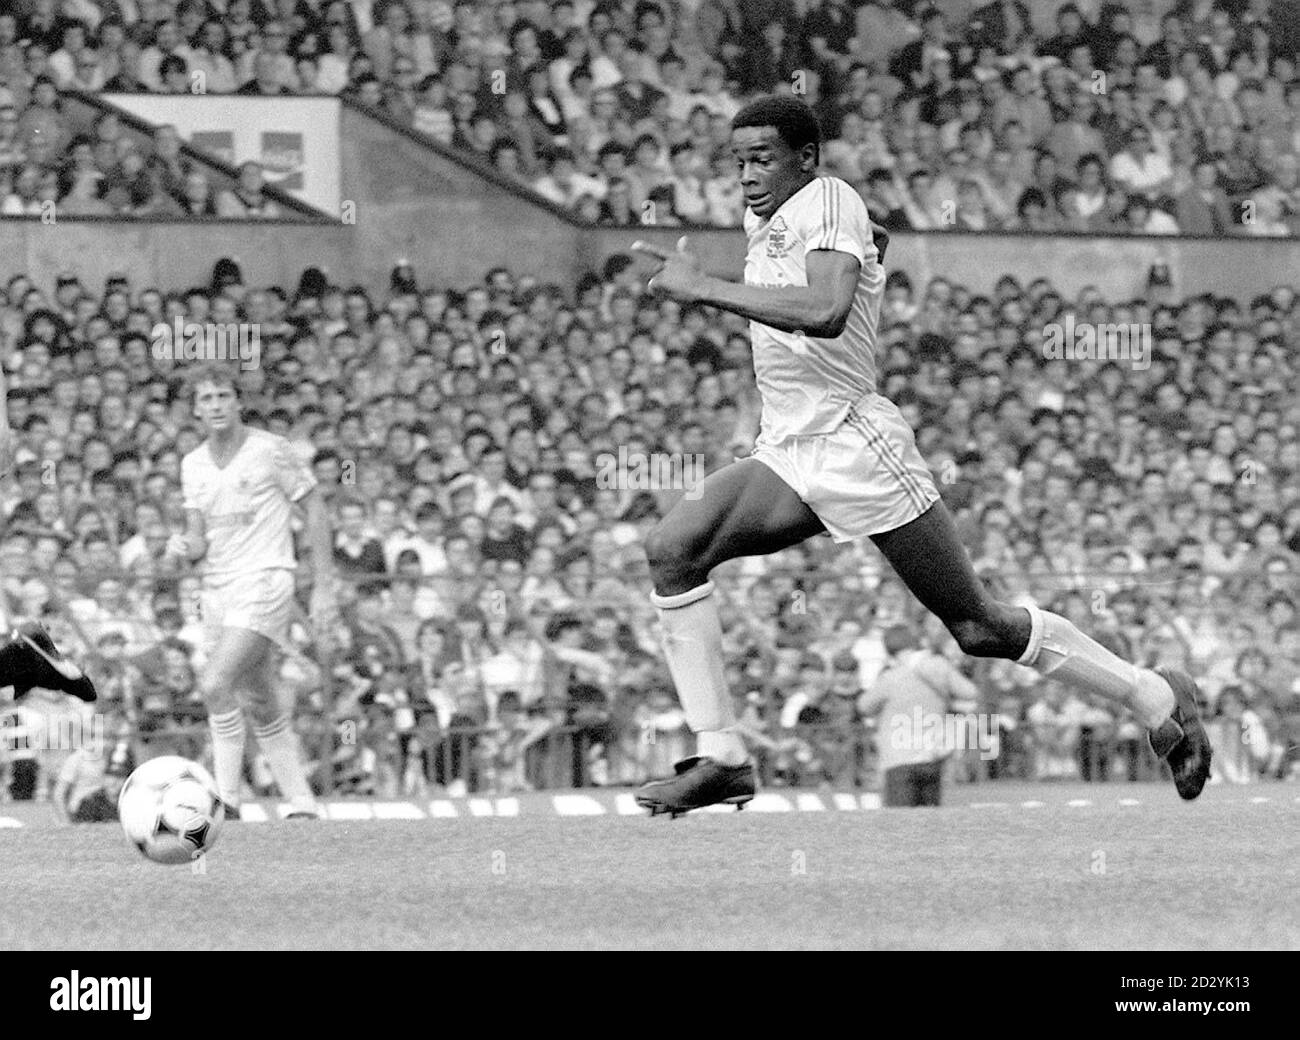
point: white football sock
(693, 646)
(721, 745)
(228, 736)
(279, 744)
(1058, 649)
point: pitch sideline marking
(577, 804)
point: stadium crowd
(496, 630)
(1155, 117)
(53, 164)
(58, 159)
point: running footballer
(833, 455)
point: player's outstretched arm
(819, 309)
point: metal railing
(382, 761)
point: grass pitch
(1218, 873)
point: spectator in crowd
(1145, 219)
(564, 184)
(914, 698)
(90, 781)
(355, 550)
(196, 199)
(1139, 168)
(208, 61)
(1203, 208)
(165, 42)
(247, 198)
(1240, 739)
(267, 79)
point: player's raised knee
(662, 547)
(982, 637)
(673, 556)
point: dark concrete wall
(453, 239)
(450, 221)
(171, 254)
(1234, 267)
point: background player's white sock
(279, 744)
(1058, 649)
(228, 753)
(693, 647)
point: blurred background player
(917, 686)
(239, 487)
(834, 455)
(91, 779)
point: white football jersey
(807, 384)
(246, 506)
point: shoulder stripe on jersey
(830, 214)
(835, 217)
(828, 238)
(826, 212)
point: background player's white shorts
(863, 478)
(260, 601)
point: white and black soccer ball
(170, 809)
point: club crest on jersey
(777, 239)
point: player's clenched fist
(679, 273)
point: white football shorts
(260, 601)
(865, 477)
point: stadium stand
(1169, 118)
(67, 153)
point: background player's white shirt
(807, 384)
(246, 506)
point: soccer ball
(170, 809)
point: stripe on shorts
(892, 463)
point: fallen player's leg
(29, 658)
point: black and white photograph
(650, 475)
